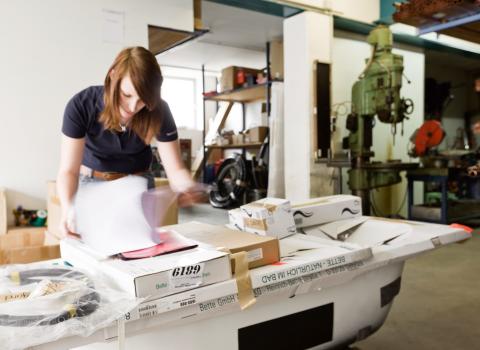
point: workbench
(448, 211)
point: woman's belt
(107, 175)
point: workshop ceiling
(457, 18)
(445, 59)
(232, 28)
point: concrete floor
(439, 302)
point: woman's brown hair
(144, 71)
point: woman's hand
(68, 226)
(196, 193)
(189, 192)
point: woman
(107, 131)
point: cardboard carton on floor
(152, 277)
(53, 209)
(260, 250)
(321, 210)
(3, 211)
(269, 217)
(23, 245)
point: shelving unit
(241, 95)
(233, 146)
(258, 92)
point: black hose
(83, 306)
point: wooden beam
(218, 124)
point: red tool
(429, 135)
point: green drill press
(376, 93)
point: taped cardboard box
(27, 244)
(53, 209)
(269, 217)
(260, 250)
(152, 277)
(3, 211)
(321, 210)
(235, 217)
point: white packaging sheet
(109, 215)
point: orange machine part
(429, 135)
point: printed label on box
(217, 303)
(187, 276)
(254, 255)
(275, 287)
(305, 269)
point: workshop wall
(307, 38)
(349, 52)
(51, 50)
(366, 11)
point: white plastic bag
(40, 303)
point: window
(180, 94)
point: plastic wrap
(41, 303)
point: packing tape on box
(258, 224)
(270, 207)
(244, 283)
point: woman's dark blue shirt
(105, 150)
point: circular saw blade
(429, 135)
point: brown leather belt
(107, 176)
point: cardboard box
(23, 245)
(182, 300)
(260, 250)
(326, 209)
(220, 298)
(3, 211)
(228, 80)
(153, 277)
(269, 217)
(53, 209)
(237, 139)
(276, 60)
(171, 217)
(235, 218)
(256, 134)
